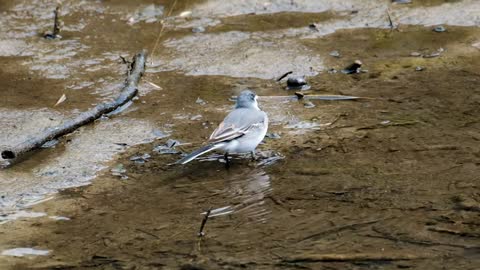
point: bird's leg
(254, 157)
(227, 161)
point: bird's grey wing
(237, 123)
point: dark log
(135, 72)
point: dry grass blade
(60, 100)
(154, 85)
(152, 55)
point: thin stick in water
(204, 222)
(284, 75)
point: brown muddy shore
(390, 181)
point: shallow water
(394, 172)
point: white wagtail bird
(240, 132)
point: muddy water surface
(385, 182)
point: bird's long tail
(199, 152)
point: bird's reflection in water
(246, 192)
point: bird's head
(247, 99)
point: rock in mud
(198, 29)
(334, 54)
(148, 14)
(297, 83)
(273, 136)
(332, 71)
(308, 105)
(439, 29)
(167, 148)
(313, 26)
(355, 67)
(140, 159)
(200, 101)
(120, 171)
(268, 157)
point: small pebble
(163, 150)
(140, 159)
(415, 54)
(119, 170)
(335, 54)
(198, 29)
(435, 54)
(402, 1)
(196, 117)
(332, 71)
(439, 29)
(308, 104)
(200, 101)
(273, 136)
(418, 68)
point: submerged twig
(56, 25)
(454, 232)
(136, 71)
(390, 22)
(284, 75)
(413, 241)
(300, 95)
(124, 60)
(204, 222)
(349, 257)
(342, 228)
(148, 233)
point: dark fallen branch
(137, 68)
(355, 257)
